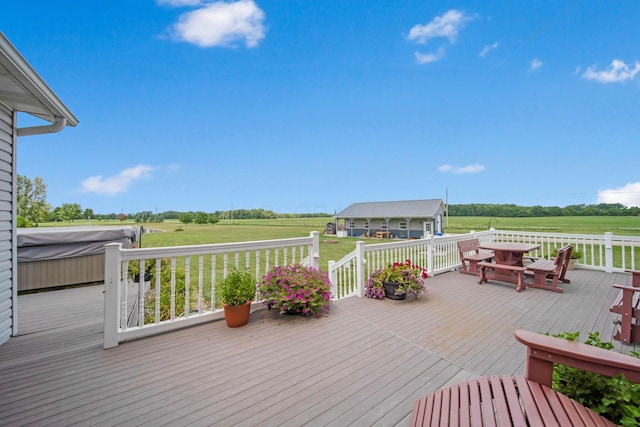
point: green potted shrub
(396, 281)
(296, 289)
(237, 290)
(575, 255)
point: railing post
(429, 265)
(315, 250)
(333, 279)
(112, 276)
(608, 252)
(360, 268)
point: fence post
(333, 279)
(315, 250)
(430, 254)
(112, 276)
(360, 268)
(608, 252)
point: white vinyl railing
(606, 252)
(186, 276)
(185, 281)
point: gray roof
(401, 209)
(22, 89)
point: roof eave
(24, 75)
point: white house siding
(6, 226)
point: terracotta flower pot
(237, 315)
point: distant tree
(88, 214)
(185, 218)
(201, 218)
(32, 200)
(70, 212)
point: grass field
(251, 230)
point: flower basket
(296, 289)
(407, 277)
(391, 291)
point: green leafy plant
(296, 289)
(165, 292)
(614, 398)
(238, 287)
(408, 276)
(575, 254)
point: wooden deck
(364, 364)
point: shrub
(296, 289)
(614, 398)
(165, 293)
(238, 287)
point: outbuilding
(21, 90)
(408, 219)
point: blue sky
(309, 106)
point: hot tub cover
(35, 244)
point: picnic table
(508, 266)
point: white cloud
(425, 58)
(475, 168)
(627, 195)
(447, 25)
(535, 64)
(488, 48)
(179, 3)
(617, 72)
(119, 183)
(222, 24)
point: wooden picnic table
(509, 255)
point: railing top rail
(552, 235)
(378, 246)
(345, 259)
(144, 253)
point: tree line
(33, 209)
(514, 211)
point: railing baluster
(200, 283)
(141, 291)
(172, 312)
(187, 285)
(157, 307)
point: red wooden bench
(525, 401)
(470, 252)
(543, 269)
(519, 272)
(627, 305)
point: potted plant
(396, 281)
(296, 289)
(237, 291)
(575, 255)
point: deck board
(364, 364)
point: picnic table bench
(515, 400)
(518, 270)
(627, 305)
(543, 269)
(470, 252)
